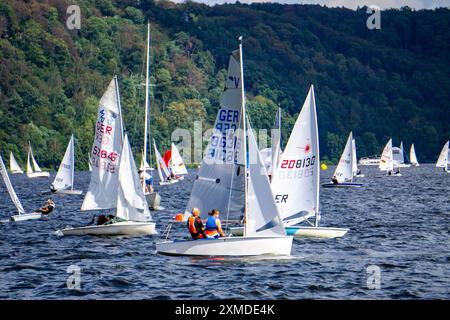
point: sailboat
(164, 174)
(37, 172)
(21, 216)
(13, 165)
(399, 157)
(234, 184)
(444, 159)
(64, 179)
(356, 172)
(413, 157)
(344, 173)
(387, 160)
(114, 181)
(153, 198)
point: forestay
(220, 180)
(386, 161)
(105, 153)
(10, 188)
(296, 182)
(344, 169)
(131, 202)
(64, 177)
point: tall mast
(119, 106)
(244, 128)
(147, 102)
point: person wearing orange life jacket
(195, 225)
(213, 226)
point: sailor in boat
(148, 181)
(213, 225)
(48, 207)
(390, 172)
(334, 180)
(358, 172)
(195, 225)
(110, 219)
(101, 219)
(52, 188)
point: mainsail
(296, 182)
(387, 161)
(412, 156)
(105, 153)
(354, 159)
(10, 188)
(163, 172)
(64, 177)
(344, 169)
(178, 167)
(13, 165)
(443, 160)
(36, 167)
(220, 180)
(131, 202)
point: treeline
(377, 83)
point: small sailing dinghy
(343, 175)
(114, 181)
(444, 159)
(387, 160)
(22, 216)
(413, 157)
(64, 179)
(399, 157)
(37, 172)
(356, 171)
(13, 165)
(230, 182)
(165, 177)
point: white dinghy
(356, 171)
(344, 172)
(224, 183)
(64, 179)
(444, 159)
(387, 162)
(22, 216)
(163, 172)
(413, 157)
(114, 179)
(399, 157)
(13, 165)
(35, 171)
(295, 185)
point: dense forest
(394, 81)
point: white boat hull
(153, 200)
(164, 183)
(16, 172)
(359, 176)
(128, 228)
(316, 232)
(26, 216)
(38, 174)
(228, 246)
(72, 192)
(342, 185)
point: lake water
(399, 225)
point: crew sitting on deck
(195, 225)
(213, 226)
(47, 207)
(334, 180)
(110, 219)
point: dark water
(399, 224)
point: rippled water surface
(400, 224)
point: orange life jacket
(191, 225)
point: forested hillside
(378, 83)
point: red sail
(167, 156)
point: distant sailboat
(13, 165)
(356, 172)
(344, 173)
(399, 157)
(176, 163)
(21, 216)
(387, 160)
(164, 174)
(412, 157)
(64, 179)
(444, 159)
(114, 181)
(234, 185)
(37, 172)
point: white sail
(354, 159)
(163, 171)
(131, 202)
(276, 143)
(105, 153)
(220, 180)
(13, 165)
(89, 163)
(344, 169)
(387, 161)
(412, 156)
(296, 183)
(36, 167)
(10, 188)
(263, 218)
(29, 167)
(266, 155)
(178, 167)
(64, 177)
(443, 159)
